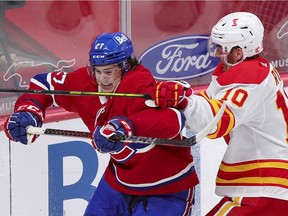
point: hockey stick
(76, 93)
(138, 139)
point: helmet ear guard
(91, 70)
(124, 66)
(241, 29)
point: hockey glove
(103, 134)
(15, 126)
(172, 94)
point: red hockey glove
(172, 94)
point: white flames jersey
(254, 126)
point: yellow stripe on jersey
(254, 180)
(157, 93)
(255, 165)
(227, 206)
(176, 95)
(203, 94)
(215, 104)
(255, 173)
(231, 121)
(222, 128)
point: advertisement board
(171, 36)
(54, 176)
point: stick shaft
(76, 93)
(121, 138)
(138, 139)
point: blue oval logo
(179, 58)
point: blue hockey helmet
(110, 48)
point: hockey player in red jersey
(253, 175)
(140, 179)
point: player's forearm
(198, 113)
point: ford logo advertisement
(179, 58)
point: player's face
(229, 59)
(108, 77)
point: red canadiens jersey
(137, 169)
(254, 126)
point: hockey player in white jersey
(253, 175)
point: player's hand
(16, 124)
(102, 136)
(172, 94)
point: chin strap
(225, 61)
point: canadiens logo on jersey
(182, 58)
